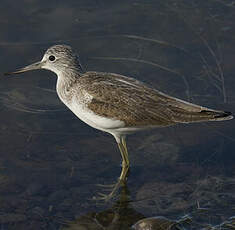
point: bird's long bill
(36, 65)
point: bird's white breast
(81, 110)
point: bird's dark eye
(52, 58)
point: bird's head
(58, 59)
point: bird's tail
(185, 112)
(203, 116)
(215, 115)
(181, 111)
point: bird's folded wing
(126, 99)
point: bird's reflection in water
(120, 216)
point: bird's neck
(66, 82)
(69, 75)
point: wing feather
(119, 97)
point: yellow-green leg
(125, 160)
(123, 176)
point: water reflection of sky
(50, 161)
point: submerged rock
(163, 198)
(155, 151)
(154, 223)
(161, 223)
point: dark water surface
(50, 162)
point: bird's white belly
(94, 120)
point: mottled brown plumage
(135, 103)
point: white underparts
(81, 110)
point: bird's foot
(106, 186)
(112, 188)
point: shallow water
(50, 162)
